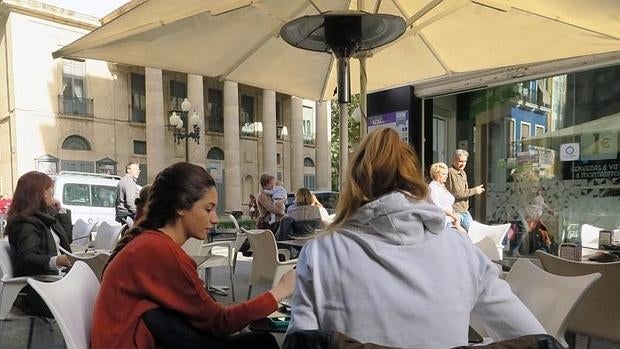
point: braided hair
(175, 188)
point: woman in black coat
(35, 229)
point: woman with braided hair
(151, 295)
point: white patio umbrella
(239, 40)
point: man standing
(457, 185)
(126, 193)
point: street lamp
(177, 123)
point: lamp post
(180, 125)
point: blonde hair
(436, 169)
(303, 197)
(382, 164)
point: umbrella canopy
(239, 40)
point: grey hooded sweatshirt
(395, 275)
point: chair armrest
(289, 262)
(24, 279)
(206, 248)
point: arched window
(75, 142)
(308, 162)
(215, 153)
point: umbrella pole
(344, 142)
(363, 100)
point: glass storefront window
(547, 152)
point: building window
(73, 100)
(512, 138)
(278, 159)
(308, 124)
(76, 143)
(279, 121)
(139, 147)
(178, 92)
(309, 182)
(525, 130)
(539, 130)
(138, 98)
(308, 162)
(246, 110)
(215, 113)
(215, 153)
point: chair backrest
(487, 246)
(589, 236)
(72, 300)
(227, 218)
(551, 298)
(597, 313)
(81, 232)
(129, 221)
(192, 246)
(497, 233)
(6, 264)
(264, 254)
(107, 236)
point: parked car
(89, 196)
(329, 200)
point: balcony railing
(75, 106)
(251, 129)
(309, 139)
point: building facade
(94, 116)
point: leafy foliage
(354, 137)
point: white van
(89, 196)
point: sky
(97, 8)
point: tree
(354, 136)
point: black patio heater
(343, 33)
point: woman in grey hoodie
(388, 271)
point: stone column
(197, 152)
(323, 169)
(269, 132)
(157, 144)
(232, 162)
(297, 145)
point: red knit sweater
(152, 271)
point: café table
(296, 243)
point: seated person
(278, 196)
(149, 280)
(388, 271)
(307, 207)
(36, 227)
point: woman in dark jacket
(35, 230)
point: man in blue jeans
(458, 186)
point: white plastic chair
(596, 316)
(477, 231)
(95, 260)
(129, 221)
(71, 300)
(107, 236)
(551, 298)
(265, 264)
(195, 247)
(589, 236)
(81, 234)
(487, 246)
(236, 231)
(10, 286)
